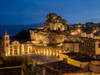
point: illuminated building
(40, 28)
(70, 47)
(90, 47)
(55, 23)
(16, 48)
(5, 43)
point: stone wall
(90, 47)
(73, 61)
(68, 46)
(46, 37)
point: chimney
(34, 63)
(44, 71)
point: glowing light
(72, 33)
(47, 53)
(79, 30)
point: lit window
(67, 49)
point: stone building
(13, 48)
(5, 42)
(92, 67)
(76, 59)
(54, 22)
(70, 47)
(90, 47)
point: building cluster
(89, 30)
(53, 39)
(78, 50)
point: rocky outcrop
(54, 22)
(46, 37)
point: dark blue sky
(13, 12)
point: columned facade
(15, 48)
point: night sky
(17, 12)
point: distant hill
(22, 36)
(15, 29)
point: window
(99, 44)
(20, 49)
(6, 44)
(15, 50)
(67, 49)
(6, 38)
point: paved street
(41, 58)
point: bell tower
(5, 43)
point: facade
(90, 47)
(70, 46)
(16, 48)
(48, 51)
(5, 43)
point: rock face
(53, 32)
(54, 22)
(40, 37)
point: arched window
(6, 44)
(67, 49)
(7, 38)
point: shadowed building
(70, 47)
(90, 47)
